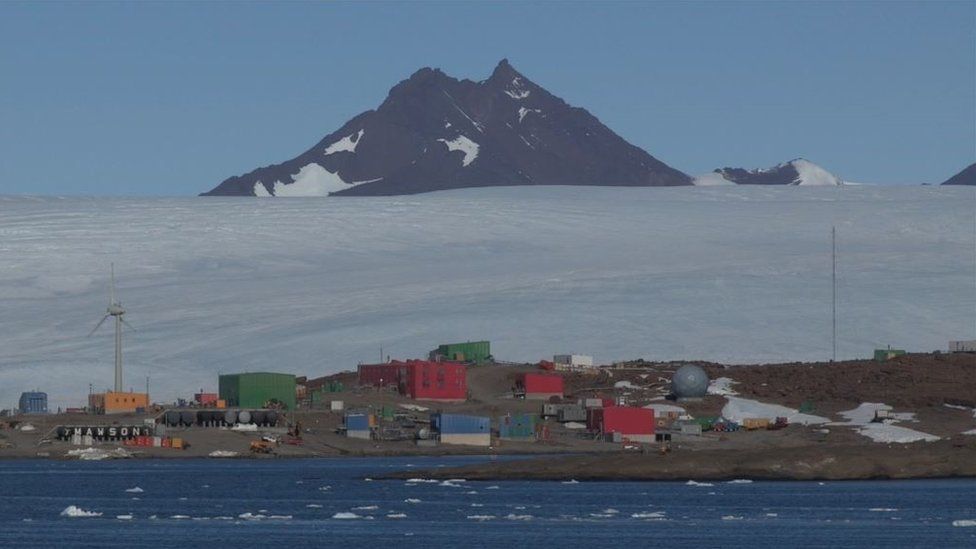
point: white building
(572, 362)
(966, 346)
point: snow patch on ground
(625, 385)
(98, 454)
(738, 409)
(223, 454)
(721, 386)
(574, 425)
(886, 432)
(414, 407)
(465, 145)
(663, 408)
(26, 427)
(346, 144)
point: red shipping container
(608, 402)
(626, 420)
(541, 384)
(167, 442)
(206, 399)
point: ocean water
(331, 503)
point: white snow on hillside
(311, 180)
(522, 112)
(260, 190)
(518, 90)
(465, 145)
(711, 179)
(738, 409)
(812, 174)
(347, 143)
(729, 274)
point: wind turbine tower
(115, 311)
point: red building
(379, 375)
(419, 379)
(539, 385)
(635, 424)
(206, 399)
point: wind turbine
(115, 310)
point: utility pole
(833, 289)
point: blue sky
(170, 99)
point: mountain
(794, 172)
(966, 177)
(435, 132)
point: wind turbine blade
(128, 325)
(112, 285)
(97, 326)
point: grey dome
(689, 381)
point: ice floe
(739, 481)
(696, 483)
(345, 515)
(77, 512)
(964, 522)
(411, 500)
(396, 515)
(481, 517)
(135, 490)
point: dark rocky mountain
(435, 132)
(966, 177)
(794, 172)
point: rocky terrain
(966, 177)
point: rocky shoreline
(955, 458)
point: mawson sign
(105, 432)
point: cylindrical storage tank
(172, 418)
(244, 416)
(230, 417)
(689, 381)
(271, 418)
(258, 417)
(188, 418)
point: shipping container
(625, 420)
(756, 423)
(542, 386)
(358, 421)
(467, 439)
(593, 402)
(459, 424)
(205, 399)
(258, 390)
(336, 405)
(176, 443)
(478, 352)
(691, 428)
(572, 412)
(33, 402)
(361, 434)
(517, 426)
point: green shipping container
(255, 390)
(881, 355)
(477, 352)
(517, 426)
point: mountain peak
(436, 132)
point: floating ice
(571, 481)
(740, 481)
(882, 510)
(732, 517)
(411, 500)
(344, 515)
(481, 517)
(513, 516)
(696, 483)
(396, 515)
(135, 490)
(124, 517)
(74, 512)
(313, 506)
(366, 508)
(648, 515)
(964, 523)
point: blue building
(33, 402)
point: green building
(881, 355)
(477, 352)
(255, 390)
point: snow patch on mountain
(465, 145)
(347, 143)
(311, 180)
(524, 111)
(261, 190)
(812, 174)
(711, 180)
(518, 90)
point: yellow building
(117, 403)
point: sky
(169, 99)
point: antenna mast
(833, 290)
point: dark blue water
(303, 496)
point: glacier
(313, 286)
